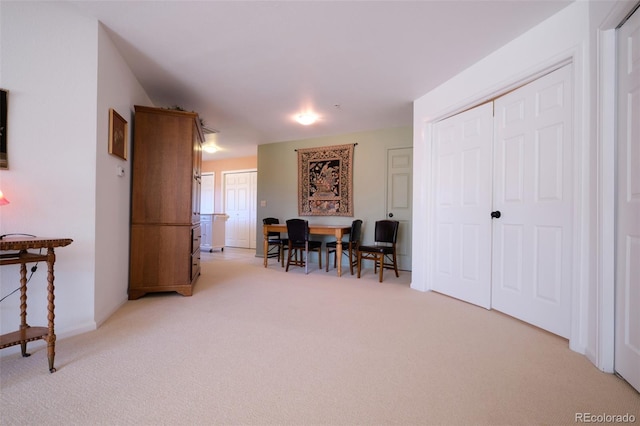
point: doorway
(240, 189)
(399, 196)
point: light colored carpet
(257, 346)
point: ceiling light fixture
(210, 144)
(306, 118)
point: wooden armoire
(165, 202)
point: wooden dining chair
(276, 244)
(299, 244)
(383, 251)
(349, 248)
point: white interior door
(462, 180)
(240, 206)
(399, 195)
(627, 334)
(206, 194)
(253, 209)
(532, 240)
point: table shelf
(29, 334)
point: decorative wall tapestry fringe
(354, 144)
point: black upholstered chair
(383, 251)
(276, 245)
(349, 248)
(299, 244)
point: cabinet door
(197, 176)
(196, 240)
(160, 256)
(162, 178)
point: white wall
(61, 182)
(118, 89)
(49, 65)
(569, 36)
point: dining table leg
(265, 245)
(338, 252)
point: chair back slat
(298, 241)
(271, 221)
(298, 230)
(386, 231)
(356, 231)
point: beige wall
(228, 165)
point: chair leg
(288, 260)
(327, 256)
(359, 261)
(351, 261)
(395, 264)
(335, 257)
(291, 252)
(381, 260)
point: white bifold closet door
(462, 184)
(533, 173)
(503, 203)
(627, 337)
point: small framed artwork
(4, 160)
(118, 131)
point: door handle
(390, 214)
(496, 214)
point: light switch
(120, 170)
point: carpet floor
(256, 346)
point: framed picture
(118, 132)
(4, 160)
(325, 181)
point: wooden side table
(22, 256)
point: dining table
(337, 231)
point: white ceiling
(248, 67)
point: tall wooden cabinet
(165, 202)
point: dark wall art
(325, 181)
(4, 159)
(118, 133)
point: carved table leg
(23, 305)
(51, 338)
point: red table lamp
(3, 200)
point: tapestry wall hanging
(325, 181)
